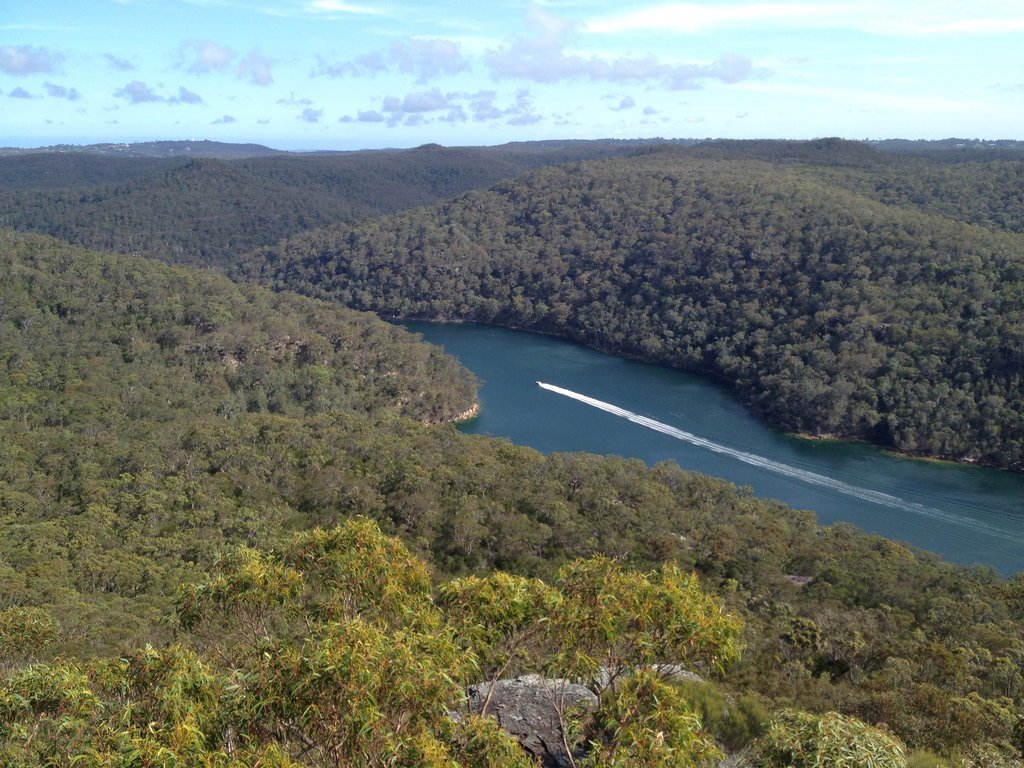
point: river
(602, 404)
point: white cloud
(412, 109)
(255, 68)
(428, 58)
(483, 107)
(137, 92)
(185, 96)
(27, 60)
(425, 101)
(525, 119)
(543, 59)
(520, 111)
(425, 58)
(293, 100)
(121, 65)
(204, 56)
(62, 92)
(367, 65)
(433, 106)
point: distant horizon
(676, 139)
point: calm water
(967, 514)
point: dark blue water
(967, 514)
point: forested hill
(155, 417)
(74, 319)
(208, 210)
(119, 377)
(184, 148)
(831, 298)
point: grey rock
(531, 709)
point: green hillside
(209, 210)
(121, 376)
(839, 289)
(828, 299)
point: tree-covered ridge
(827, 311)
(154, 340)
(940, 344)
(151, 149)
(65, 170)
(207, 211)
(113, 371)
(983, 186)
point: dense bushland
(207, 211)
(157, 419)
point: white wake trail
(865, 494)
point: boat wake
(813, 478)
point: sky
(357, 74)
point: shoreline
(830, 438)
(466, 415)
(712, 377)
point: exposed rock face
(530, 708)
(467, 414)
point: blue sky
(351, 74)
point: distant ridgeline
(206, 203)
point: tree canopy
(207, 210)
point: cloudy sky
(350, 74)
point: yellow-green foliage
(502, 619)
(734, 721)
(334, 654)
(802, 740)
(618, 620)
(25, 632)
(923, 758)
(646, 723)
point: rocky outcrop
(469, 413)
(531, 708)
